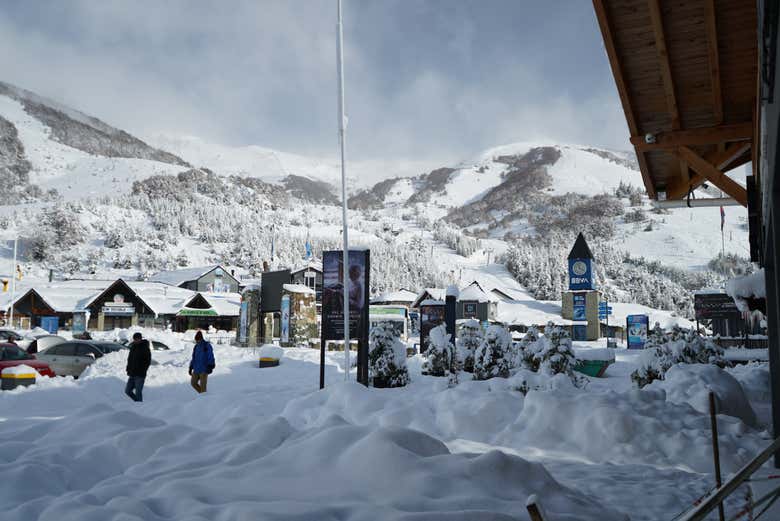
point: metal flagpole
(13, 283)
(342, 132)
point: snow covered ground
(267, 444)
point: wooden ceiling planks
(687, 65)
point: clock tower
(580, 303)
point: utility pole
(342, 139)
(14, 272)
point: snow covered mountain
(104, 201)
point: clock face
(579, 268)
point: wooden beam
(695, 137)
(663, 62)
(680, 189)
(731, 158)
(713, 57)
(625, 99)
(715, 176)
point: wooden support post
(535, 511)
(716, 451)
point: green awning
(192, 312)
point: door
(85, 355)
(60, 358)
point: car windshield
(9, 335)
(110, 348)
(14, 353)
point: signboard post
(636, 329)
(243, 322)
(333, 319)
(579, 307)
(79, 323)
(604, 312)
(285, 325)
(431, 315)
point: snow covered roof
(298, 288)
(531, 313)
(225, 304)
(314, 265)
(395, 296)
(474, 292)
(66, 296)
(179, 277)
(432, 302)
(429, 294)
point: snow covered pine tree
(440, 357)
(468, 342)
(492, 358)
(387, 358)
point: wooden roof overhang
(687, 75)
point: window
(14, 353)
(66, 349)
(86, 350)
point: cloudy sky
(425, 79)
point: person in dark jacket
(202, 363)
(138, 362)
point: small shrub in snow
(387, 358)
(492, 358)
(679, 346)
(551, 354)
(440, 356)
(468, 342)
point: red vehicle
(12, 354)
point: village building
(214, 278)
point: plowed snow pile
(266, 444)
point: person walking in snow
(138, 361)
(202, 363)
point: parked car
(12, 355)
(10, 334)
(156, 344)
(44, 342)
(72, 357)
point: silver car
(72, 357)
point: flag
(722, 218)
(308, 246)
(18, 272)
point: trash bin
(17, 376)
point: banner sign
(581, 274)
(194, 312)
(714, 305)
(579, 307)
(79, 323)
(118, 309)
(285, 325)
(469, 310)
(242, 322)
(333, 294)
(431, 315)
(637, 327)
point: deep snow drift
(266, 444)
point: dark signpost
(431, 315)
(449, 315)
(333, 306)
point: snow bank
(117, 463)
(691, 384)
(638, 427)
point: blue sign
(579, 332)
(579, 307)
(581, 274)
(637, 326)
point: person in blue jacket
(202, 363)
